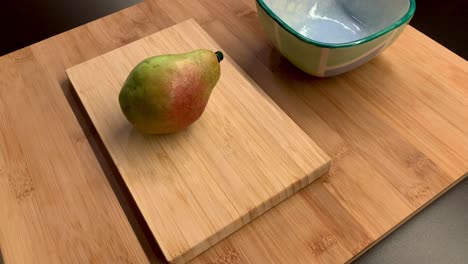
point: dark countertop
(438, 234)
(23, 23)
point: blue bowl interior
(338, 21)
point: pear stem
(219, 55)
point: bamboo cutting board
(194, 188)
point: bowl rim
(405, 18)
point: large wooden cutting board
(194, 188)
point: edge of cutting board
(406, 219)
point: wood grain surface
(396, 130)
(194, 188)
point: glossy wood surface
(396, 130)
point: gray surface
(438, 234)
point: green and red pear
(167, 93)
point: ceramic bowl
(330, 37)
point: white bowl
(329, 37)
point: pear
(167, 93)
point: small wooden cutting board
(195, 187)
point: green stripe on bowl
(354, 64)
(335, 69)
(343, 55)
(303, 55)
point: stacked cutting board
(195, 187)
